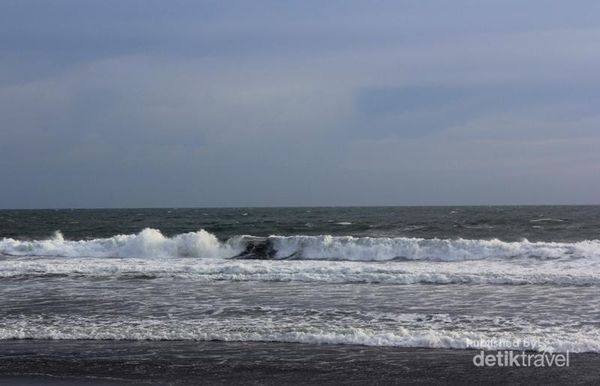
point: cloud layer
(148, 103)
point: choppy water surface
(411, 277)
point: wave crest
(151, 243)
(148, 243)
(97, 328)
(403, 248)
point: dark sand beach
(122, 362)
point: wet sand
(124, 362)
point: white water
(578, 273)
(148, 243)
(151, 243)
(385, 248)
(194, 262)
(201, 256)
(296, 331)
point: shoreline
(95, 362)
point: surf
(151, 243)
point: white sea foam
(385, 248)
(547, 220)
(498, 272)
(257, 330)
(151, 243)
(349, 259)
(147, 243)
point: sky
(144, 103)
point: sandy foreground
(184, 362)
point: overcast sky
(276, 103)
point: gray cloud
(290, 103)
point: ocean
(299, 284)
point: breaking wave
(84, 328)
(151, 243)
(307, 271)
(147, 243)
(403, 248)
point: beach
(122, 362)
(299, 295)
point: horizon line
(292, 206)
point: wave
(151, 243)
(404, 248)
(148, 243)
(97, 328)
(547, 219)
(581, 273)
